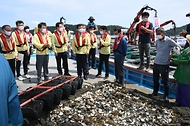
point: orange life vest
(41, 38)
(145, 24)
(83, 39)
(18, 37)
(30, 35)
(103, 37)
(117, 42)
(59, 39)
(93, 36)
(7, 48)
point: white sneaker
(27, 76)
(20, 78)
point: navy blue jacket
(122, 49)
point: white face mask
(91, 31)
(159, 36)
(27, 30)
(101, 32)
(145, 19)
(21, 28)
(44, 30)
(8, 33)
(61, 29)
(81, 30)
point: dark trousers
(91, 55)
(62, 56)
(12, 65)
(144, 48)
(81, 64)
(164, 71)
(42, 61)
(25, 63)
(119, 70)
(30, 55)
(103, 58)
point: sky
(105, 12)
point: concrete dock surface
(23, 85)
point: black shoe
(86, 77)
(98, 75)
(116, 80)
(106, 77)
(67, 74)
(153, 94)
(46, 78)
(93, 67)
(39, 80)
(140, 67)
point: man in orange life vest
(93, 41)
(120, 51)
(8, 46)
(29, 37)
(22, 46)
(144, 29)
(42, 42)
(60, 47)
(104, 49)
(81, 48)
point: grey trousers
(144, 48)
(42, 61)
(119, 70)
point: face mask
(8, 33)
(27, 30)
(145, 19)
(81, 30)
(101, 32)
(91, 21)
(159, 36)
(91, 31)
(61, 29)
(44, 30)
(21, 28)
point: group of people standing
(17, 45)
(84, 46)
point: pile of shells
(111, 105)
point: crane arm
(173, 23)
